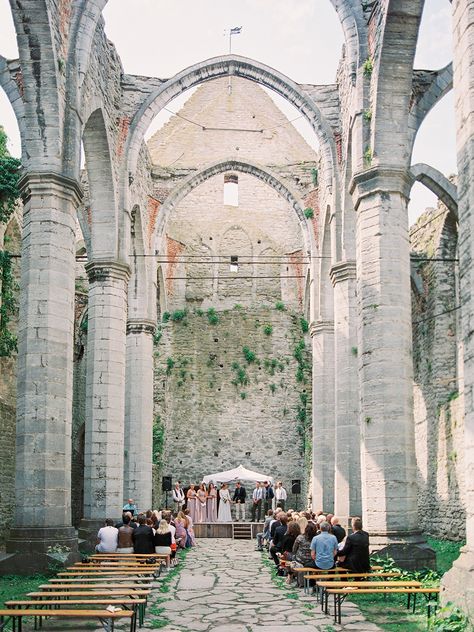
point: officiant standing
(239, 500)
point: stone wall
(439, 406)
(219, 409)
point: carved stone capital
(319, 327)
(50, 183)
(342, 271)
(104, 271)
(141, 326)
(379, 180)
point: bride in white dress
(224, 514)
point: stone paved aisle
(226, 587)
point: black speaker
(166, 484)
(296, 486)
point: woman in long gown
(212, 503)
(201, 512)
(224, 514)
(191, 496)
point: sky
(161, 37)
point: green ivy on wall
(9, 194)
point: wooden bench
(92, 572)
(136, 605)
(354, 584)
(341, 593)
(101, 578)
(90, 593)
(316, 574)
(65, 586)
(106, 618)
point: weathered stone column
(347, 492)
(389, 492)
(459, 581)
(45, 367)
(105, 392)
(322, 334)
(139, 413)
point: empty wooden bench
(106, 618)
(341, 593)
(135, 605)
(318, 575)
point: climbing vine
(9, 194)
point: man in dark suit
(278, 536)
(337, 530)
(239, 499)
(142, 537)
(267, 497)
(355, 554)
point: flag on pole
(236, 30)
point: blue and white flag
(236, 30)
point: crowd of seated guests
(151, 532)
(307, 540)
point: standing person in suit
(280, 495)
(142, 536)
(256, 502)
(239, 497)
(267, 497)
(178, 498)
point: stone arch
(353, 25)
(438, 183)
(84, 24)
(231, 164)
(429, 87)
(103, 207)
(39, 80)
(12, 89)
(392, 97)
(222, 67)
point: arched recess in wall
(232, 286)
(139, 300)
(326, 297)
(102, 200)
(240, 67)
(231, 164)
(12, 107)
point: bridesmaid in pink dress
(212, 503)
(201, 513)
(191, 496)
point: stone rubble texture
(68, 85)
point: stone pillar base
(88, 529)
(458, 583)
(410, 552)
(35, 550)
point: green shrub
(304, 325)
(249, 355)
(268, 330)
(178, 315)
(212, 316)
(309, 213)
(165, 317)
(280, 306)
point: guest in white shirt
(107, 538)
(280, 495)
(257, 496)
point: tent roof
(238, 474)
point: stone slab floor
(225, 586)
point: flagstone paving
(225, 586)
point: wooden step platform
(237, 530)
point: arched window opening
(231, 189)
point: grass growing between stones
(166, 583)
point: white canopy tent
(238, 474)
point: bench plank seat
(106, 618)
(65, 586)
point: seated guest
(355, 553)
(324, 548)
(163, 538)
(275, 523)
(278, 536)
(125, 541)
(337, 530)
(107, 538)
(292, 532)
(131, 506)
(143, 536)
(181, 533)
(265, 534)
(302, 551)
